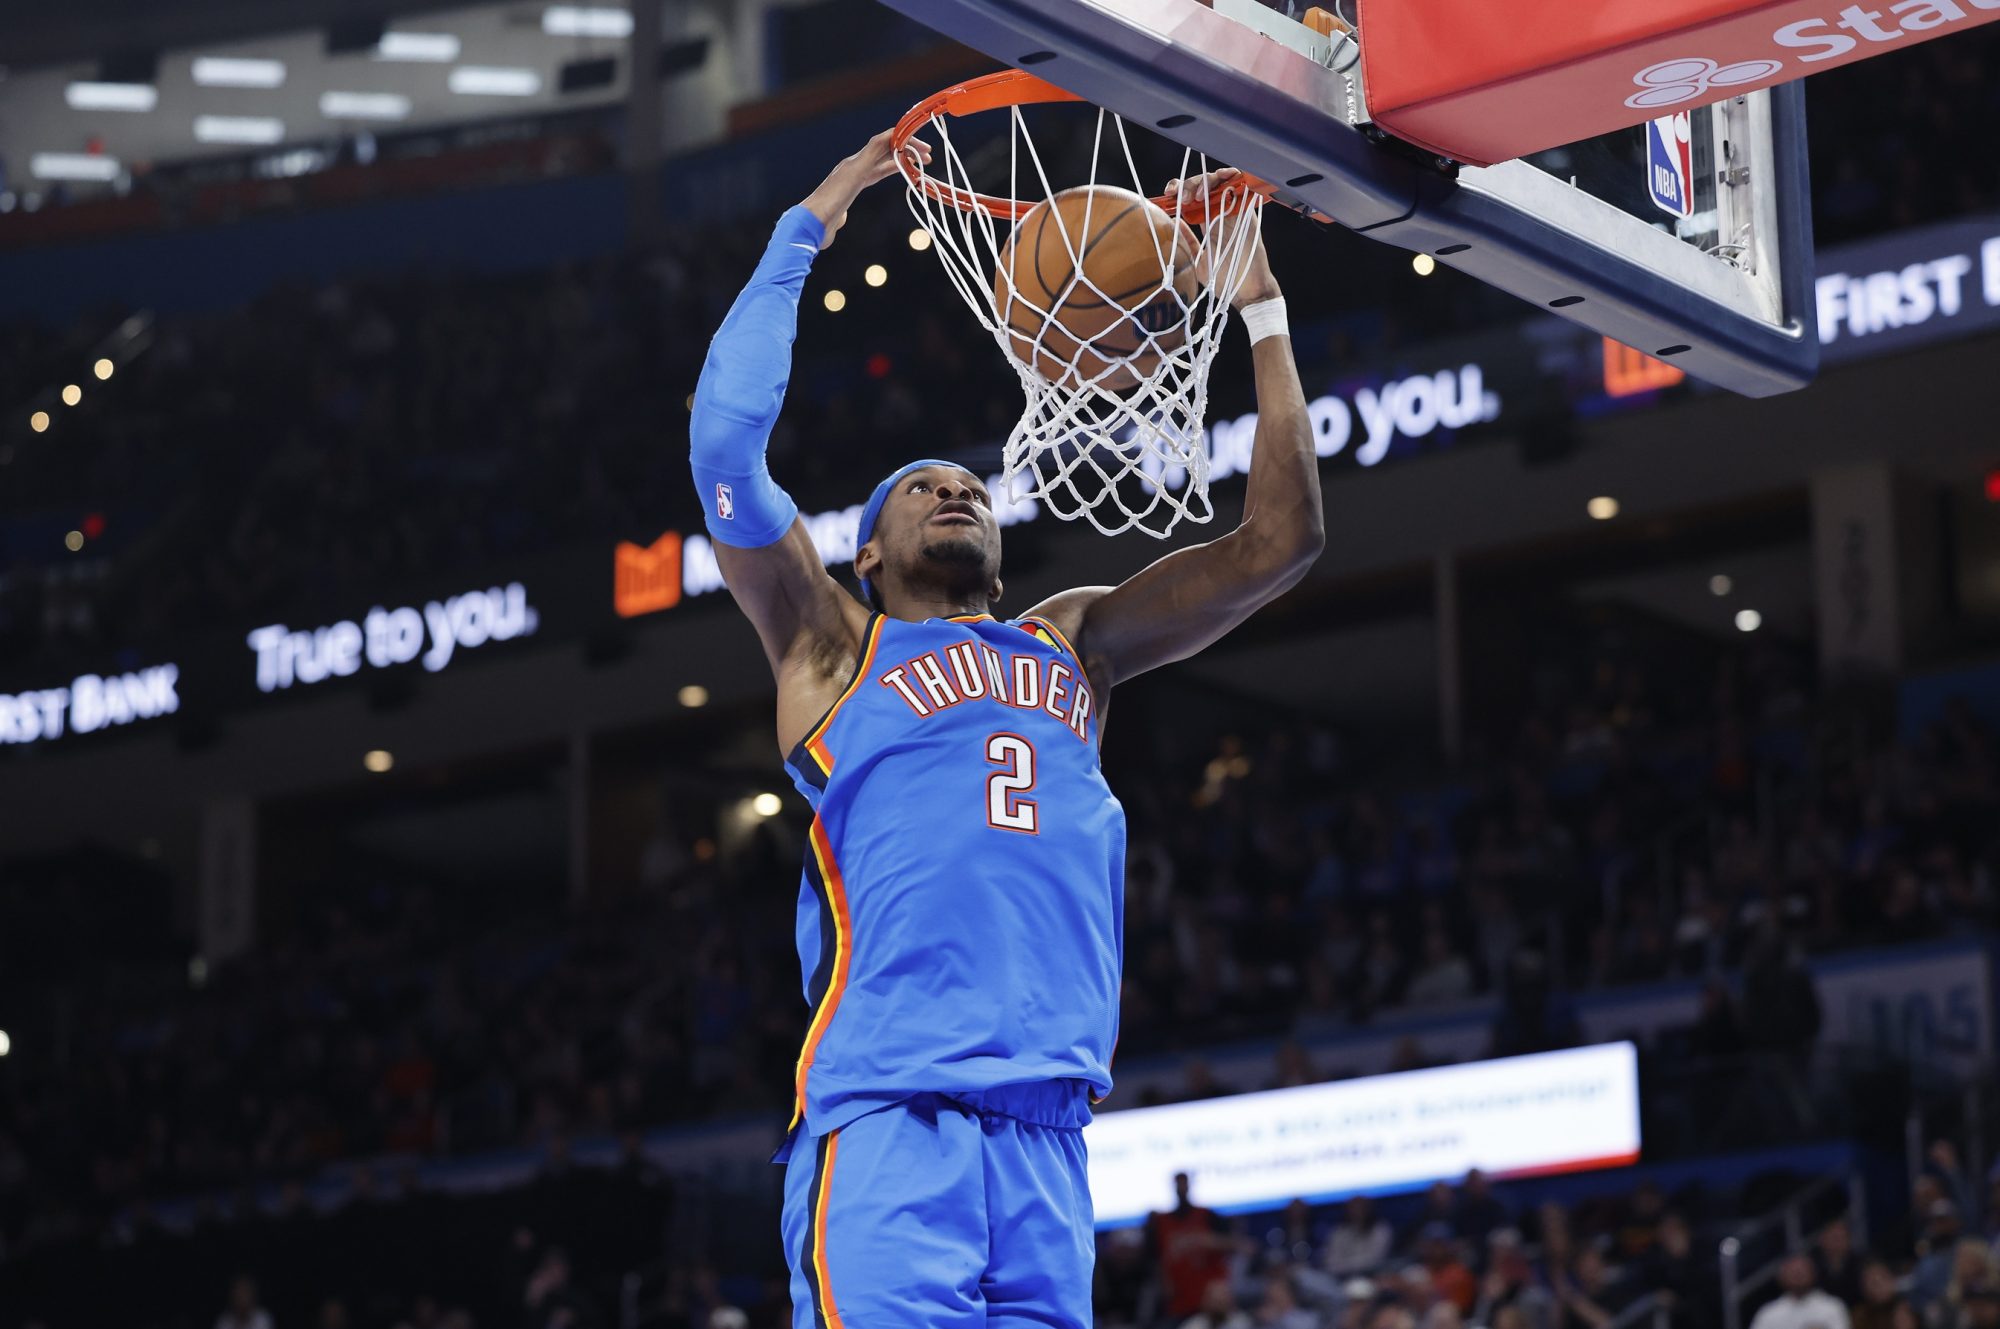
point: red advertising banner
(1485, 83)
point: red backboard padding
(1481, 82)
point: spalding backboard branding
(1517, 79)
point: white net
(1116, 380)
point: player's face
(938, 528)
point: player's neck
(917, 608)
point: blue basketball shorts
(945, 1211)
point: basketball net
(1112, 426)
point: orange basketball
(1098, 318)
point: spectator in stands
(1440, 1206)
(1973, 1274)
(1377, 977)
(1217, 1309)
(1715, 1044)
(1780, 1002)
(1913, 1234)
(1588, 1296)
(1359, 1246)
(1294, 1066)
(552, 1300)
(1941, 1161)
(1443, 975)
(1800, 1305)
(1192, 1249)
(1280, 1307)
(1123, 1292)
(1438, 1252)
(1293, 1237)
(1509, 1289)
(1836, 1265)
(1478, 1211)
(1882, 1304)
(1639, 1224)
(1781, 1021)
(1671, 1267)
(243, 1310)
(1938, 1256)
(1981, 1311)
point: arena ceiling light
(111, 96)
(494, 81)
(586, 21)
(259, 129)
(73, 166)
(228, 71)
(434, 48)
(364, 106)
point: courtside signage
(1412, 408)
(91, 702)
(384, 637)
(1551, 1112)
(1909, 288)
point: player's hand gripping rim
(1258, 282)
(875, 162)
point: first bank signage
(434, 634)
(1908, 288)
(89, 703)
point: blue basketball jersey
(961, 916)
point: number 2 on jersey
(1005, 808)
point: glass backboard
(1688, 238)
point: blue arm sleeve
(743, 385)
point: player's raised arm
(762, 547)
(1188, 599)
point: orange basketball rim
(1011, 88)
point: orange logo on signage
(647, 579)
(1628, 372)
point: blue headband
(872, 509)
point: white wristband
(1266, 318)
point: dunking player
(960, 920)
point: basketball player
(960, 919)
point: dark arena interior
(398, 880)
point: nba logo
(725, 503)
(1670, 165)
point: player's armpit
(1181, 603)
(798, 609)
